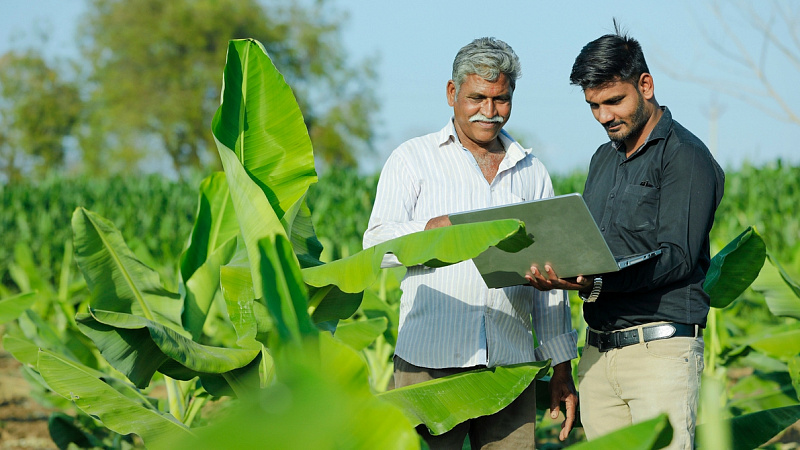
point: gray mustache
(481, 118)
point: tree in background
(776, 27)
(38, 109)
(154, 72)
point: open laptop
(564, 235)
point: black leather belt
(606, 341)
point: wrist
(592, 294)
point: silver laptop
(564, 235)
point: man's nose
(488, 108)
(604, 115)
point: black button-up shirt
(664, 196)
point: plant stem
(177, 406)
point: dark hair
(613, 57)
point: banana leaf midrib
(126, 275)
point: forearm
(552, 323)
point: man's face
(481, 108)
(620, 109)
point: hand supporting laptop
(535, 277)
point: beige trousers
(632, 384)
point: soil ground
(23, 422)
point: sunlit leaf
(256, 126)
(260, 121)
(435, 248)
(443, 403)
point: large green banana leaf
(443, 403)
(260, 122)
(257, 219)
(750, 431)
(117, 280)
(735, 267)
(648, 435)
(118, 412)
(138, 347)
(265, 150)
(780, 291)
(434, 248)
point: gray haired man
(450, 321)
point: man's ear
(451, 93)
(646, 87)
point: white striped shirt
(448, 317)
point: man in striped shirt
(450, 321)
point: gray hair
(486, 57)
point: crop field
(140, 311)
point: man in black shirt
(653, 186)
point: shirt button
(603, 229)
(612, 195)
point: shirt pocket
(639, 208)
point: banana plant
(252, 248)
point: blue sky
(416, 41)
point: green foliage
(154, 69)
(136, 323)
(567, 184)
(340, 206)
(38, 109)
(154, 215)
(766, 198)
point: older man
(450, 321)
